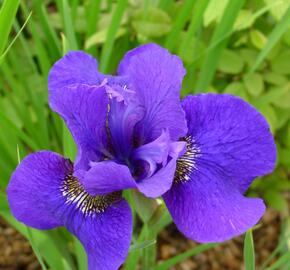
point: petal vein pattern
(229, 143)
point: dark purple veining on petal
(229, 144)
(124, 112)
(43, 194)
(141, 103)
(156, 76)
(132, 132)
(186, 164)
(89, 205)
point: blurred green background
(240, 47)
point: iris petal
(76, 67)
(33, 191)
(84, 109)
(160, 182)
(229, 144)
(231, 134)
(107, 176)
(156, 76)
(208, 208)
(105, 236)
(124, 113)
(154, 153)
(44, 194)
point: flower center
(75, 194)
(122, 115)
(186, 164)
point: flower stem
(148, 259)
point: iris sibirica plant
(133, 132)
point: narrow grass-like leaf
(15, 38)
(7, 124)
(280, 246)
(7, 165)
(200, 6)
(65, 44)
(93, 12)
(286, 266)
(69, 146)
(194, 31)
(16, 100)
(35, 249)
(150, 252)
(109, 5)
(80, 255)
(280, 262)
(37, 97)
(111, 35)
(179, 23)
(133, 257)
(8, 142)
(181, 257)
(273, 38)
(26, 49)
(52, 40)
(7, 15)
(99, 37)
(249, 251)
(223, 28)
(74, 10)
(16, 97)
(142, 245)
(194, 25)
(42, 56)
(144, 206)
(68, 26)
(160, 219)
(265, 9)
(165, 4)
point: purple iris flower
(132, 131)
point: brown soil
(15, 251)
(16, 254)
(229, 255)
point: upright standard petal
(84, 109)
(156, 77)
(34, 189)
(76, 67)
(124, 113)
(228, 144)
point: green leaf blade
(217, 44)
(249, 252)
(273, 38)
(7, 15)
(181, 257)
